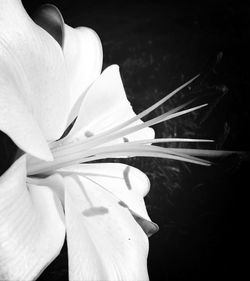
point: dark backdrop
(159, 45)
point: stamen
(148, 154)
(79, 152)
(88, 144)
(206, 152)
(124, 149)
(97, 147)
(166, 140)
(82, 145)
(143, 113)
(80, 156)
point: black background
(159, 45)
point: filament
(70, 151)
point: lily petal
(32, 230)
(83, 54)
(104, 241)
(128, 184)
(37, 68)
(105, 106)
(19, 123)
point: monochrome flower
(50, 85)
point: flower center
(101, 146)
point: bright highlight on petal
(32, 230)
(104, 240)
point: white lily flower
(47, 192)
(41, 87)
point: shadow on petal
(95, 211)
(50, 19)
(126, 177)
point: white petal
(35, 64)
(104, 241)
(128, 184)
(105, 106)
(32, 230)
(17, 121)
(83, 54)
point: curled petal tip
(50, 19)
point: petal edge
(31, 229)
